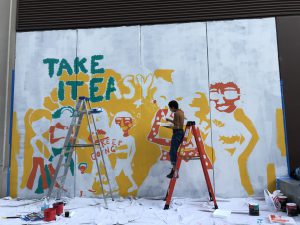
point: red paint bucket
(291, 209)
(283, 200)
(59, 206)
(50, 214)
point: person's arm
(170, 120)
(175, 121)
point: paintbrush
(10, 217)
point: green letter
(51, 62)
(94, 88)
(110, 88)
(74, 85)
(94, 64)
(79, 65)
(64, 65)
(61, 90)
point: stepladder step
(66, 164)
(61, 177)
(81, 146)
(66, 151)
(91, 111)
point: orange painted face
(101, 132)
(124, 122)
(224, 96)
(82, 167)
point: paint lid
(291, 205)
(282, 197)
(254, 204)
(96, 110)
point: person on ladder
(177, 136)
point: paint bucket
(253, 209)
(49, 214)
(291, 209)
(59, 206)
(67, 214)
(282, 200)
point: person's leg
(177, 139)
(173, 154)
(173, 151)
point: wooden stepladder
(190, 127)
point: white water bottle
(45, 204)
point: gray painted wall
(7, 55)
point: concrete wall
(7, 43)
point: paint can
(69, 214)
(59, 206)
(291, 209)
(282, 200)
(49, 214)
(253, 209)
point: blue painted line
(285, 129)
(277, 184)
(10, 130)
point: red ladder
(204, 162)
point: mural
(132, 73)
(234, 136)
